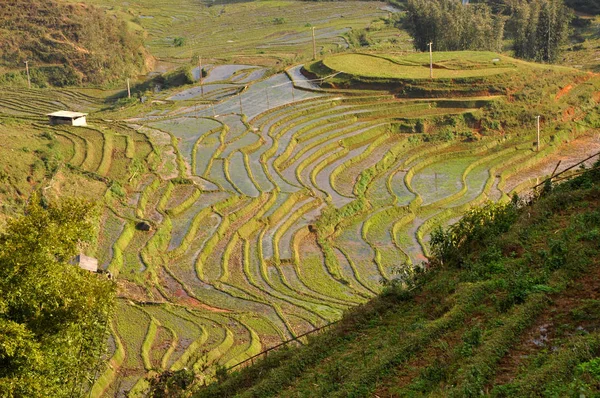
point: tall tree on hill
(539, 28)
(53, 315)
(451, 26)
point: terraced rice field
(274, 208)
(302, 203)
(267, 32)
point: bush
(170, 383)
(477, 226)
(179, 41)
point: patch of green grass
(467, 64)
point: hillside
(509, 306)
(276, 204)
(66, 44)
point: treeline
(588, 6)
(538, 28)
(66, 44)
(450, 26)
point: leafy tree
(451, 26)
(540, 28)
(53, 315)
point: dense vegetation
(588, 6)
(450, 26)
(506, 309)
(539, 28)
(53, 315)
(66, 44)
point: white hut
(68, 117)
(87, 263)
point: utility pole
(28, 77)
(293, 96)
(267, 92)
(430, 61)
(538, 133)
(201, 77)
(314, 44)
(128, 89)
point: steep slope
(509, 307)
(66, 44)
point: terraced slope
(276, 205)
(508, 308)
(276, 209)
(266, 33)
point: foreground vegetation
(504, 309)
(53, 315)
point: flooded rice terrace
(278, 205)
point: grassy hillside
(509, 306)
(66, 44)
(391, 70)
(267, 33)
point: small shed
(68, 117)
(86, 263)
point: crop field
(276, 204)
(273, 31)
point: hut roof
(87, 263)
(67, 114)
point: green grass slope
(510, 306)
(66, 44)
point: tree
(451, 26)
(539, 28)
(53, 315)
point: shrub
(179, 41)
(475, 228)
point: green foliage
(53, 315)
(587, 6)
(170, 383)
(359, 38)
(179, 41)
(539, 29)
(592, 367)
(450, 26)
(473, 230)
(278, 21)
(117, 189)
